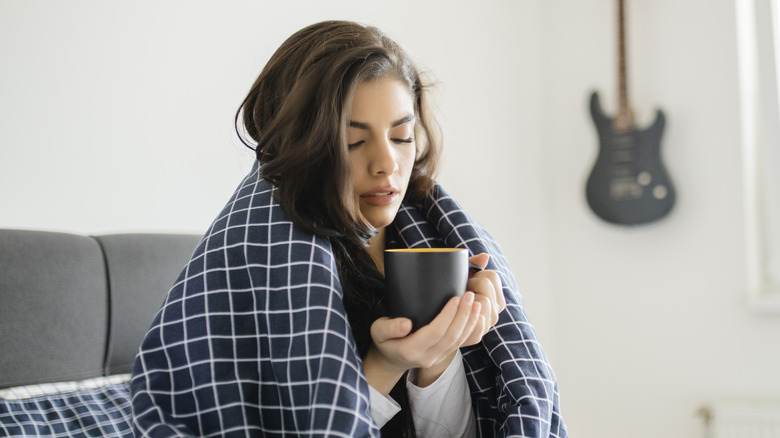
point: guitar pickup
(624, 189)
(624, 156)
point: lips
(381, 196)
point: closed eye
(394, 140)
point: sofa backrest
(141, 270)
(74, 307)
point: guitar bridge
(625, 189)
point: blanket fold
(253, 338)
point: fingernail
(468, 297)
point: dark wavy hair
(296, 114)
(295, 118)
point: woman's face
(381, 147)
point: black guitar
(628, 184)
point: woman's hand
(488, 290)
(462, 322)
(431, 347)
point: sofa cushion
(141, 270)
(53, 307)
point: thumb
(480, 260)
(384, 329)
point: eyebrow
(399, 122)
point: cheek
(406, 164)
(410, 156)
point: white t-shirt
(441, 409)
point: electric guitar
(628, 184)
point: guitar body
(628, 184)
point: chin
(379, 224)
(380, 221)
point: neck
(376, 249)
(624, 120)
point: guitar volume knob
(660, 192)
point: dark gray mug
(420, 281)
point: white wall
(650, 322)
(117, 116)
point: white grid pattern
(102, 411)
(253, 337)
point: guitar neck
(624, 119)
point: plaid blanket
(253, 338)
(101, 411)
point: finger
(483, 286)
(429, 335)
(474, 318)
(451, 339)
(480, 260)
(499, 288)
(443, 325)
(462, 319)
(443, 339)
(431, 342)
(480, 328)
(500, 299)
(483, 325)
(385, 329)
(488, 309)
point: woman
(276, 325)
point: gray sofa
(76, 307)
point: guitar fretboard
(623, 119)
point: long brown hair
(296, 115)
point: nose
(383, 160)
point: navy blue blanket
(103, 411)
(253, 338)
